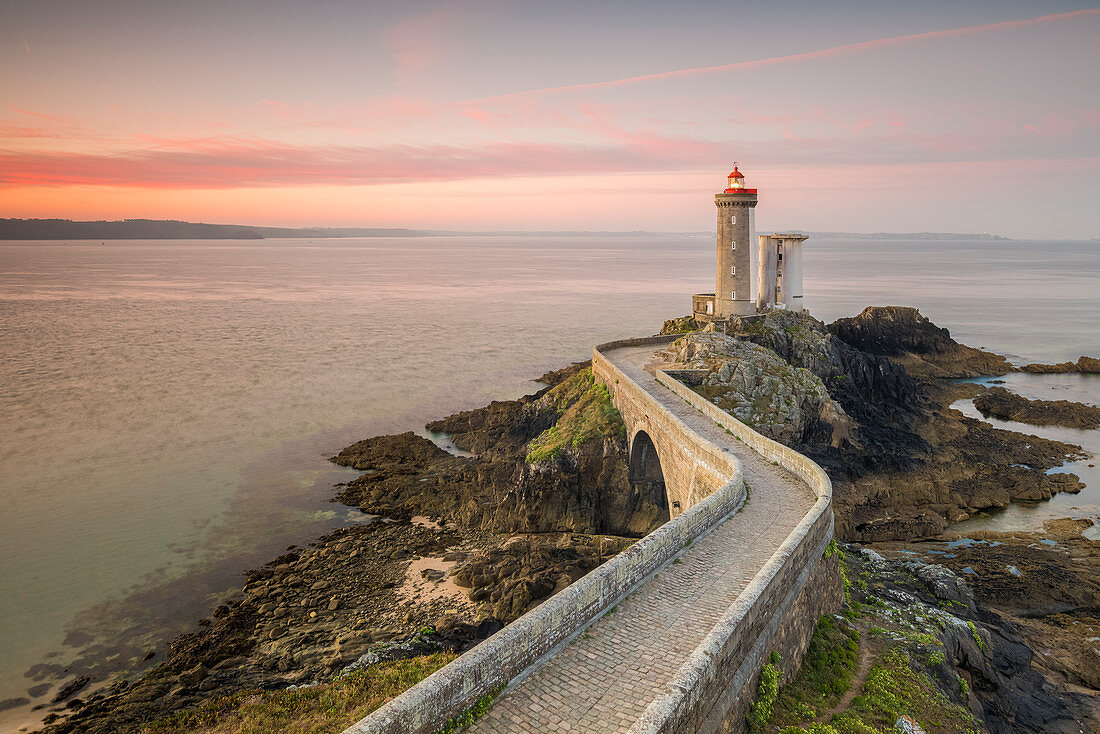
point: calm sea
(167, 407)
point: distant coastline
(170, 229)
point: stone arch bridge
(671, 634)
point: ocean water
(168, 406)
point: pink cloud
(262, 165)
(481, 115)
(251, 162)
(37, 114)
(862, 125)
(28, 132)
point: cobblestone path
(604, 680)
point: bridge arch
(647, 478)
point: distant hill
(170, 229)
(901, 236)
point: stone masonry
(670, 635)
(606, 679)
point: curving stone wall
(712, 689)
(777, 611)
(693, 467)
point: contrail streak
(809, 55)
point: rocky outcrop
(551, 462)
(302, 617)
(681, 325)
(510, 579)
(1000, 403)
(910, 464)
(976, 655)
(876, 392)
(756, 386)
(926, 350)
(1083, 365)
(1041, 584)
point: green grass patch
(761, 709)
(318, 709)
(825, 675)
(895, 686)
(472, 714)
(584, 411)
(977, 638)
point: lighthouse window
(733, 219)
(733, 270)
(733, 245)
(733, 295)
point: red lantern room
(737, 183)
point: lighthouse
(751, 276)
(736, 220)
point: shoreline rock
(924, 349)
(1005, 405)
(1045, 584)
(1084, 365)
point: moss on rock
(585, 413)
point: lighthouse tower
(733, 277)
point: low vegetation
(901, 650)
(318, 709)
(826, 674)
(761, 709)
(472, 714)
(584, 411)
(896, 685)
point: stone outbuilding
(779, 271)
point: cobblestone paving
(604, 680)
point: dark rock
(11, 703)
(39, 690)
(1000, 403)
(193, 676)
(984, 647)
(71, 688)
(925, 349)
(584, 489)
(1083, 365)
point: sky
(981, 116)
